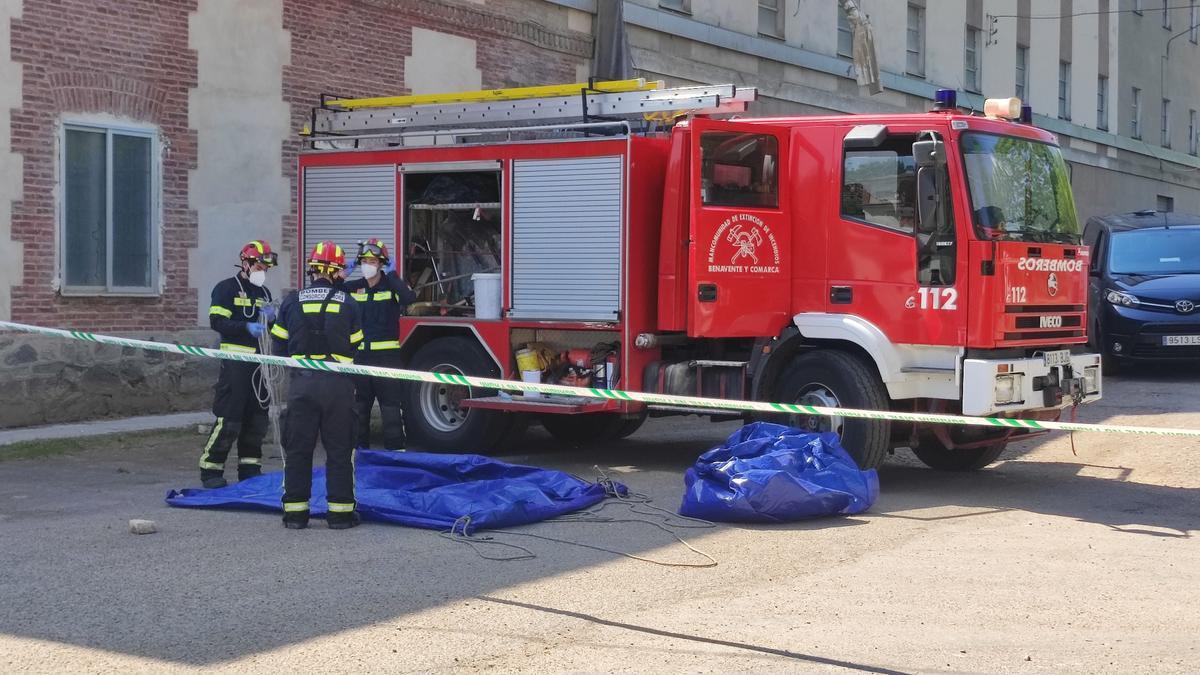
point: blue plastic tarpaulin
(425, 490)
(770, 473)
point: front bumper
(1135, 333)
(992, 386)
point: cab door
(740, 230)
(885, 265)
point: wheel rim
(441, 404)
(817, 394)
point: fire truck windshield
(1020, 190)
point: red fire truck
(915, 262)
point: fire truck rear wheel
(836, 379)
(935, 455)
(433, 416)
(591, 427)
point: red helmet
(327, 257)
(259, 251)
(373, 248)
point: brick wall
(129, 59)
(132, 60)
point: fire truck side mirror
(929, 153)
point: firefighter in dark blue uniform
(237, 305)
(382, 297)
(320, 322)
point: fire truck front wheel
(835, 379)
(935, 455)
(433, 414)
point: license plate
(1181, 340)
(1062, 357)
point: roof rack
(623, 100)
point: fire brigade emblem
(744, 244)
(746, 241)
(1052, 284)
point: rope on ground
(458, 532)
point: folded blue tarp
(769, 473)
(424, 490)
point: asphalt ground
(1047, 562)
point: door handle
(841, 295)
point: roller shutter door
(567, 239)
(347, 204)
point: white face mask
(258, 278)
(369, 271)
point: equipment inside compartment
(452, 231)
(576, 367)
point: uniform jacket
(235, 303)
(381, 307)
(319, 322)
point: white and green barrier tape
(714, 404)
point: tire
(935, 455)
(630, 425)
(588, 428)
(432, 418)
(836, 379)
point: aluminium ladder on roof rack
(633, 99)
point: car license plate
(1061, 357)
(1181, 340)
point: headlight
(1008, 388)
(1120, 298)
(1091, 380)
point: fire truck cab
(916, 262)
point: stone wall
(52, 380)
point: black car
(1144, 290)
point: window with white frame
(1135, 124)
(109, 219)
(677, 5)
(1165, 136)
(1102, 103)
(1022, 71)
(971, 78)
(915, 45)
(1166, 14)
(845, 44)
(770, 18)
(1193, 134)
(1064, 90)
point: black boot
(246, 472)
(212, 479)
(295, 521)
(343, 521)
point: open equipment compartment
(452, 231)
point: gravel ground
(1047, 562)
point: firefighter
(382, 297)
(240, 308)
(320, 322)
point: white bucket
(487, 295)
(534, 376)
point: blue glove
(256, 329)
(268, 312)
(391, 266)
(350, 267)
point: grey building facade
(1097, 72)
